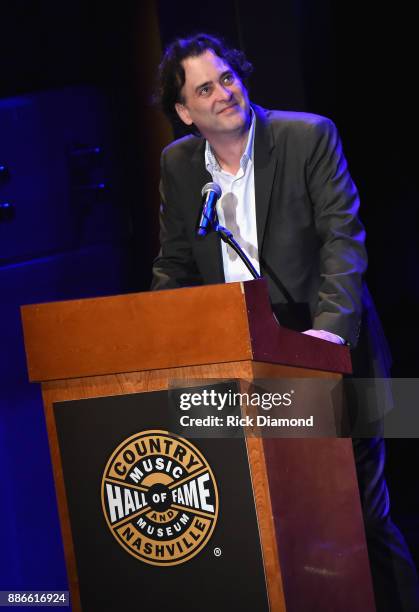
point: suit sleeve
(174, 266)
(343, 257)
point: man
(292, 206)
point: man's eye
(204, 91)
(228, 79)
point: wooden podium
(306, 500)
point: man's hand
(324, 335)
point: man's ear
(183, 113)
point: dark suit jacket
(310, 240)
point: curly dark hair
(171, 75)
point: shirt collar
(211, 162)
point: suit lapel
(265, 167)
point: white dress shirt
(236, 209)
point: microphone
(210, 194)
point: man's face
(214, 98)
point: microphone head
(211, 187)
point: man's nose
(224, 93)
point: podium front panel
(158, 522)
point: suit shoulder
(299, 121)
(181, 149)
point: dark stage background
(79, 158)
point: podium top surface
(167, 329)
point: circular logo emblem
(160, 498)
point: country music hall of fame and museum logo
(159, 497)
